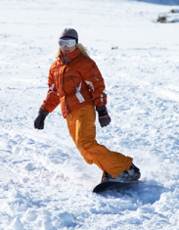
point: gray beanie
(69, 33)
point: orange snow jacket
(74, 81)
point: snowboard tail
(110, 185)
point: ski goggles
(67, 42)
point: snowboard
(115, 186)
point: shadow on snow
(160, 2)
(144, 192)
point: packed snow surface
(44, 182)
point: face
(66, 50)
(67, 45)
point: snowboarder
(76, 83)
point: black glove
(103, 116)
(39, 121)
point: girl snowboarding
(76, 84)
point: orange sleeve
(52, 98)
(93, 78)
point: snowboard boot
(132, 174)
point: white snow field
(44, 182)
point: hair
(81, 47)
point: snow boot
(128, 175)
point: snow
(44, 183)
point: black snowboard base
(115, 186)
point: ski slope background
(44, 183)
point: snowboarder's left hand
(39, 121)
(103, 116)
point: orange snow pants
(81, 125)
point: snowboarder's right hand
(39, 121)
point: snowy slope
(44, 183)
